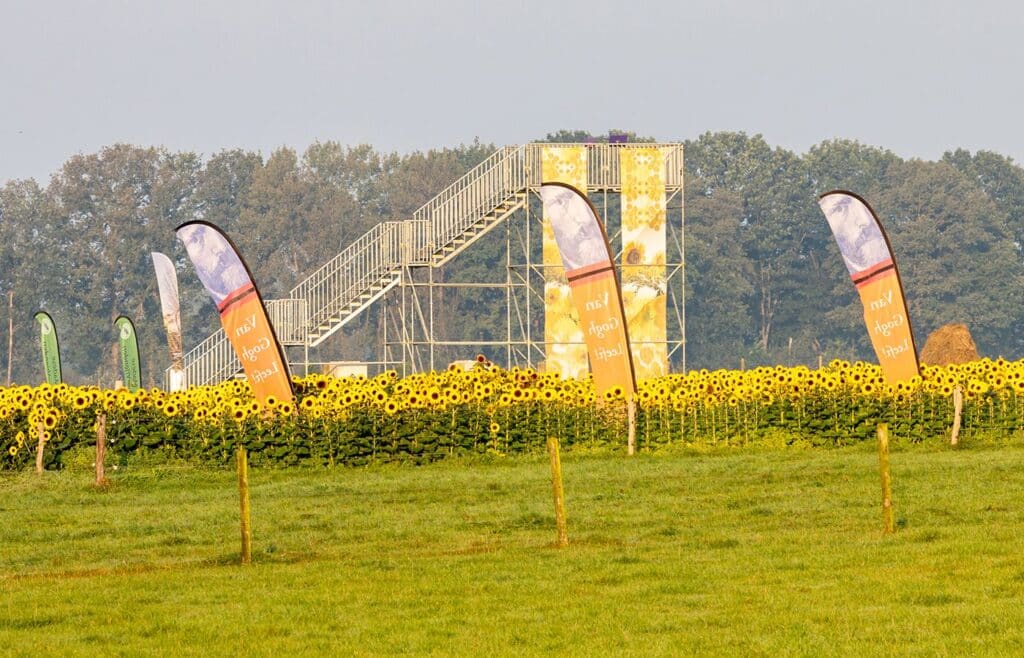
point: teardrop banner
(50, 347)
(167, 284)
(869, 259)
(129, 347)
(228, 280)
(586, 256)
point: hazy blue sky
(915, 77)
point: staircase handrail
(378, 253)
(363, 263)
(482, 188)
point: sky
(915, 77)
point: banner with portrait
(167, 284)
(227, 278)
(869, 259)
(583, 248)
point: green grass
(734, 553)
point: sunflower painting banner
(565, 350)
(644, 281)
(50, 347)
(583, 247)
(868, 256)
(226, 277)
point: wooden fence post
(559, 492)
(242, 458)
(883, 464)
(958, 408)
(39, 448)
(101, 449)
(631, 431)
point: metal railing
(212, 360)
(416, 242)
(289, 319)
(332, 287)
(482, 189)
(343, 286)
(604, 171)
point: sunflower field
(430, 416)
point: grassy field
(733, 553)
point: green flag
(51, 348)
(129, 353)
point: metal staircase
(362, 273)
(440, 230)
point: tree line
(764, 278)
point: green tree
(274, 214)
(956, 252)
(26, 246)
(848, 165)
(223, 185)
(1003, 182)
(719, 285)
(111, 210)
(419, 176)
(347, 188)
(782, 238)
(855, 167)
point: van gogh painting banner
(129, 347)
(167, 284)
(584, 251)
(242, 314)
(50, 347)
(644, 282)
(869, 259)
(564, 347)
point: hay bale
(950, 343)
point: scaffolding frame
(410, 313)
(398, 265)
